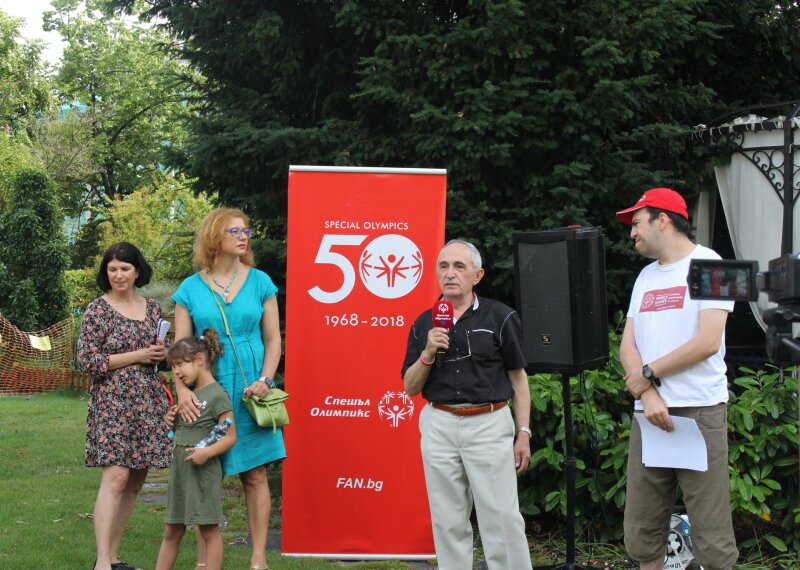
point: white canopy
(752, 205)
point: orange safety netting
(35, 361)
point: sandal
(264, 567)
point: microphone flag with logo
(442, 317)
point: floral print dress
(125, 423)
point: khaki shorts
(651, 494)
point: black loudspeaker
(560, 285)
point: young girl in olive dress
(195, 481)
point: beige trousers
(471, 459)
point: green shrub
(762, 419)
(160, 219)
(763, 428)
(81, 287)
(33, 254)
(602, 412)
(162, 291)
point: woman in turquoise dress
(224, 260)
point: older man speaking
(471, 451)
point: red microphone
(442, 317)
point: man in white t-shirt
(673, 350)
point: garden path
(155, 491)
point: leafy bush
(601, 417)
(762, 419)
(763, 435)
(160, 219)
(14, 156)
(81, 287)
(162, 291)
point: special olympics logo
(395, 406)
(648, 300)
(390, 266)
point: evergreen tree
(544, 113)
(33, 255)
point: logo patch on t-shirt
(663, 299)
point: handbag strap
(227, 328)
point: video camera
(735, 280)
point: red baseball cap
(661, 198)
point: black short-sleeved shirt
(485, 343)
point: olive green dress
(195, 491)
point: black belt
(471, 410)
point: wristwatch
(648, 373)
(267, 380)
(526, 430)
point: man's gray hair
(473, 251)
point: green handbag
(270, 410)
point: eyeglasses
(468, 355)
(236, 232)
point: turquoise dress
(255, 445)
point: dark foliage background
(544, 113)
(763, 451)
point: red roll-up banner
(362, 247)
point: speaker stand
(570, 473)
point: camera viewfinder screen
(723, 279)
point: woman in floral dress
(125, 433)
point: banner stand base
(340, 556)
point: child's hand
(170, 417)
(197, 456)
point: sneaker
(123, 566)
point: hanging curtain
(752, 207)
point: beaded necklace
(226, 289)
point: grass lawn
(47, 495)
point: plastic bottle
(217, 433)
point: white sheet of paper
(682, 448)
